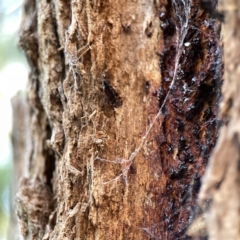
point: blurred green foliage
(9, 51)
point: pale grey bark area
(21, 143)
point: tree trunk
(124, 103)
(220, 193)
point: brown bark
(191, 67)
(115, 154)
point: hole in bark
(126, 29)
(49, 160)
(147, 86)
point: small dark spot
(154, 93)
(180, 125)
(195, 41)
(161, 95)
(147, 86)
(181, 143)
(170, 226)
(148, 30)
(169, 149)
(184, 194)
(163, 16)
(132, 170)
(194, 109)
(200, 147)
(112, 95)
(179, 173)
(193, 80)
(207, 114)
(126, 29)
(169, 187)
(197, 184)
(168, 27)
(196, 130)
(177, 105)
(186, 156)
(204, 95)
(189, 157)
(149, 34)
(164, 25)
(218, 184)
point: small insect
(112, 94)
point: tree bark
(219, 196)
(118, 143)
(21, 142)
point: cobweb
(181, 11)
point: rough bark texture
(191, 79)
(220, 193)
(21, 142)
(114, 154)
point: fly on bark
(112, 94)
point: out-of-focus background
(13, 78)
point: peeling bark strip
(83, 147)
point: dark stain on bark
(190, 127)
(112, 94)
